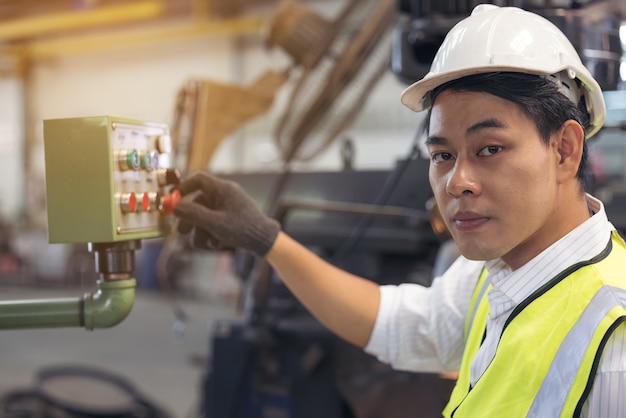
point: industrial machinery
(592, 27)
(106, 184)
(279, 361)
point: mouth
(468, 221)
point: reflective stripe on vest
(551, 344)
(482, 287)
(559, 379)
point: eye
(490, 150)
(440, 157)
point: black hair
(536, 96)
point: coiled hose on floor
(72, 391)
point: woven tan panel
(217, 110)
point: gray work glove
(223, 216)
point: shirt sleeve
(421, 328)
(606, 399)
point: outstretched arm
(219, 214)
(345, 303)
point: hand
(223, 216)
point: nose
(463, 179)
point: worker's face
(494, 178)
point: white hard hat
(507, 39)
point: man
(533, 315)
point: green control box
(105, 179)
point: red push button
(145, 202)
(128, 202)
(169, 202)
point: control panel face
(107, 179)
(141, 156)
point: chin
(471, 252)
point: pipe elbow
(110, 304)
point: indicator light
(129, 159)
(154, 157)
(146, 161)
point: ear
(570, 139)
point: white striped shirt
(421, 329)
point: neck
(568, 214)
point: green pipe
(110, 304)
(106, 307)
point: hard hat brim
(416, 97)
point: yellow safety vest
(551, 344)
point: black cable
(37, 402)
(388, 188)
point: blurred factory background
(299, 102)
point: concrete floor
(142, 349)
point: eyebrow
(483, 124)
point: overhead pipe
(138, 37)
(62, 22)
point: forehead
(462, 109)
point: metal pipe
(65, 21)
(109, 305)
(43, 313)
(104, 308)
(53, 47)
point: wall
(11, 148)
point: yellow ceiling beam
(163, 32)
(54, 23)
